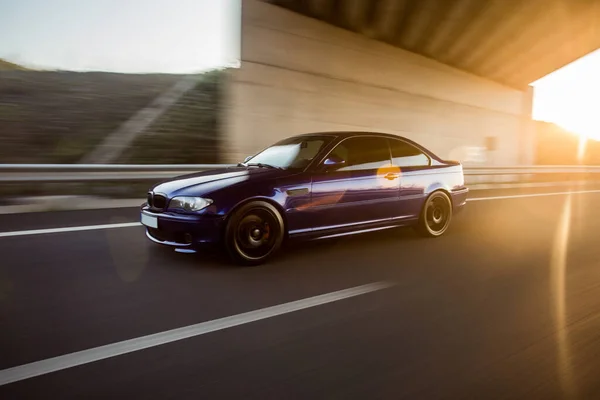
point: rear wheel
(436, 215)
(254, 233)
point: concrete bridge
(451, 74)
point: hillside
(557, 146)
(8, 66)
(188, 133)
(57, 117)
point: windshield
(293, 153)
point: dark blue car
(319, 185)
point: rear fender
(436, 186)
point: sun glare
(569, 97)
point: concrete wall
(300, 75)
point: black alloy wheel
(436, 215)
(254, 233)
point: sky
(570, 97)
(131, 36)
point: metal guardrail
(107, 167)
(527, 170)
(16, 173)
(96, 172)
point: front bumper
(184, 230)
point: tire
(436, 215)
(254, 232)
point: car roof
(352, 133)
(342, 134)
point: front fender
(276, 198)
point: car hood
(198, 184)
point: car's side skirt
(356, 232)
(352, 228)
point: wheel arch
(438, 187)
(269, 200)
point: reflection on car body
(313, 186)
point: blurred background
(110, 82)
(161, 83)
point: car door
(363, 190)
(414, 166)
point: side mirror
(247, 159)
(333, 162)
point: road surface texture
(505, 306)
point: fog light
(187, 238)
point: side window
(407, 155)
(363, 153)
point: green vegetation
(58, 117)
(8, 66)
(187, 133)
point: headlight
(190, 203)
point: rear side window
(363, 153)
(407, 155)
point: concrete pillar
(527, 134)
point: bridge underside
(513, 42)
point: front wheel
(436, 215)
(254, 232)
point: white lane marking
(131, 224)
(69, 229)
(518, 196)
(54, 364)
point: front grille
(157, 201)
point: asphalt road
(505, 306)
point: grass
(187, 133)
(58, 117)
(8, 66)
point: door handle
(391, 176)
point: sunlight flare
(558, 269)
